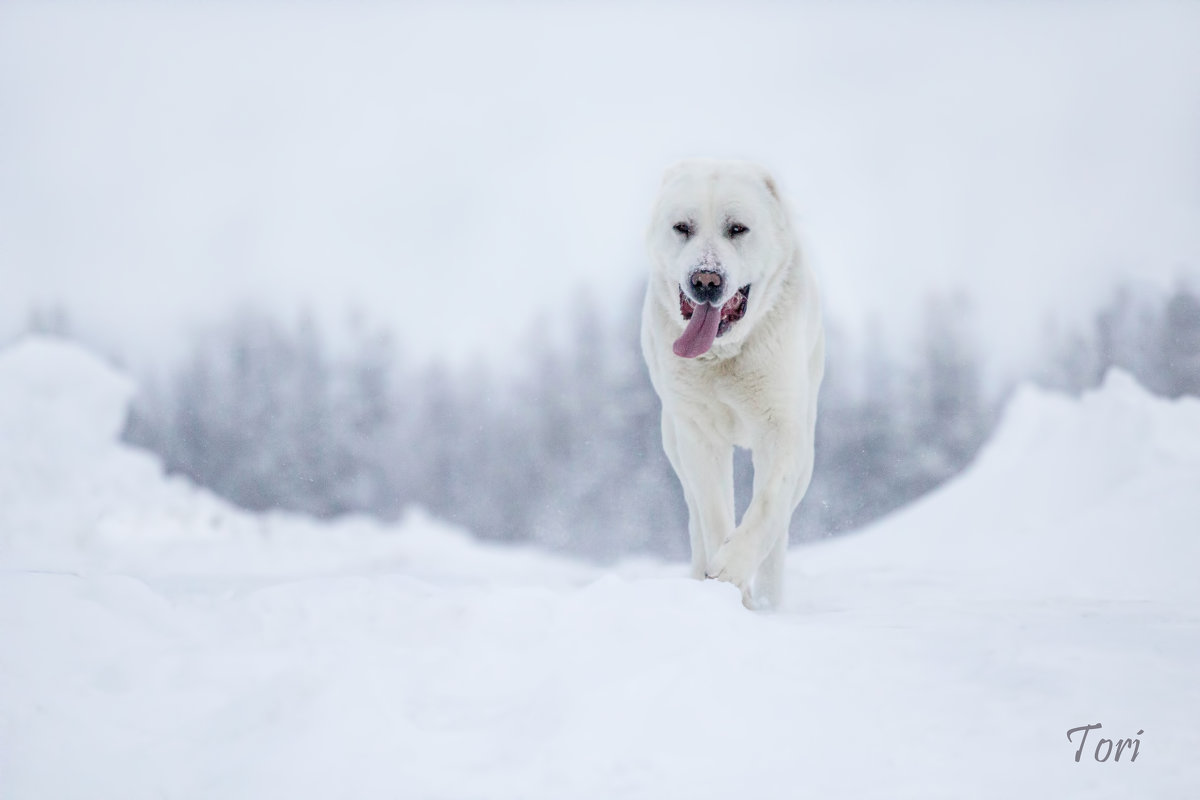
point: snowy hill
(155, 642)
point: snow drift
(156, 642)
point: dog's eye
(737, 229)
(683, 227)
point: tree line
(564, 451)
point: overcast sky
(461, 171)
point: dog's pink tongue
(701, 330)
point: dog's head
(719, 237)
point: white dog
(732, 335)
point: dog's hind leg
(768, 582)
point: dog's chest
(733, 402)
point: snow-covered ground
(157, 643)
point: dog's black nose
(707, 286)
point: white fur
(755, 388)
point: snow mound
(164, 644)
(58, 402)
(1095, 496)
(1057, 454)
(73, 497)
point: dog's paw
(733, 562)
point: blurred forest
(565, 453)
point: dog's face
(718, 238)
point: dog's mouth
(733, 310)
(705, 322)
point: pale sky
(461, 171)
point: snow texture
(157, 643)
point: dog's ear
(779, 208)
(771, 186)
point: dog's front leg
(782, 470)
(704, 466)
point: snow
(157, 643)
